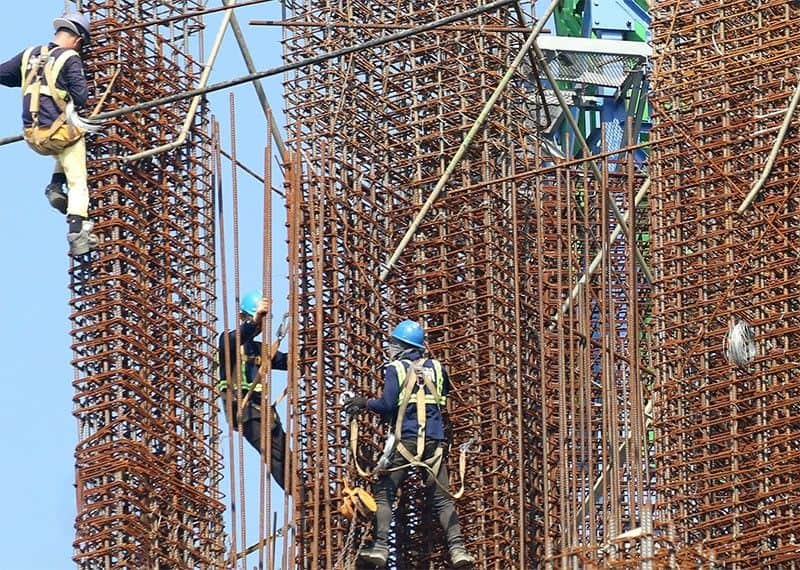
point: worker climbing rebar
(411, 377)
(248, 362)
(52, 77)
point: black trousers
(442, 506)
(251, 430)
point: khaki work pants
(70, 159)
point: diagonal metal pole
(262, 96)
(290, 66)
(468, 139)
(543, 65)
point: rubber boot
(82, 241)
(460, 557)
(56, 196)
(377, 555)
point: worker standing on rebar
(253, 308)
(51, 76)
(407, 360)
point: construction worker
(51, 76)
(406, 352)
(253, 308)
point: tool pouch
(52, 140)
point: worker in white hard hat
(52, 76)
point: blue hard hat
(77, 23)
(250, 301)
(409, 332)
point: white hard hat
(75, 22)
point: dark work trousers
(251, 430)
(385, 490)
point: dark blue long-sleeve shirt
(252, 348)
(388, 404)
(71, 79)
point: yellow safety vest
(434, 374)
(38, 79)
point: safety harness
(39, 75)
(424, 385)
(244, 361)
(256, 385)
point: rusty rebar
(143, 317)
(250, 77)
(378, 136)
(723, 82)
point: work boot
(460, 557)
(82, 241)
(377, 555)
(56, 196)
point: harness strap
(422, 417)
(408, 384)
(41, 80)
(31, 80)
(432, 466)
(434, 463)
(52, 69)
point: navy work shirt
(247, 332)
(388, 404)
(71, 79)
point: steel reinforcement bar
(373, 132)
(727, 459)
(143, 311)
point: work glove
(76, 120)
(355, 405)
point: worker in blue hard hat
(253, 308)
(408, 372)
(51, 76)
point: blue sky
(38, 430)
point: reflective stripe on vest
(437, 380)
(52, 68)
(244, 360)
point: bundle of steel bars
(143, 311)
(551, 390)
(587, 341)
(723, 83)
(373, 132)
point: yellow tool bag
(49, 141)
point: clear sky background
(38, 432)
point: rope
(348, 555)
